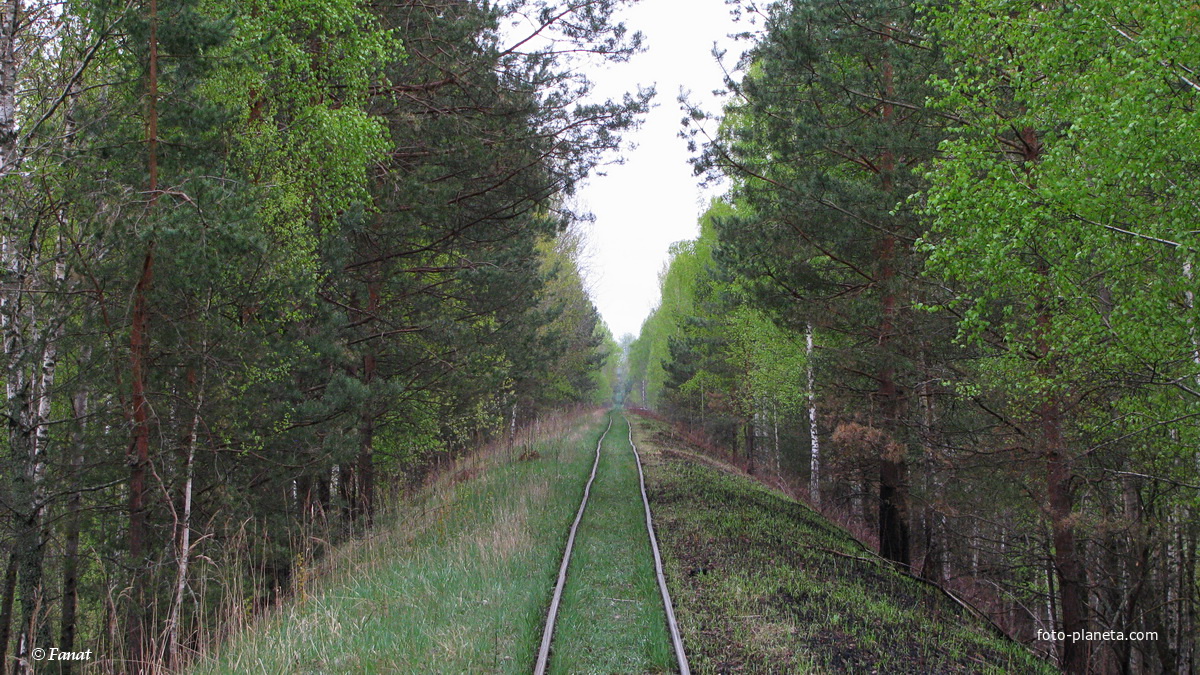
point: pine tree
(821, 142)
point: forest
(267, 265)
(950, 295)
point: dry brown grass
(475, 521)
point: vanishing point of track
(552, 614)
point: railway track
(553, 611)
(552, 614)
(676, 640)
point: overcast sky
(653, 199)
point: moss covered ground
(764, 584)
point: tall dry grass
(453, 574)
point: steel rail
(676, 640)
(548, 633)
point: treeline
(951, 293)
(264, 263)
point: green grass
(762, 584)
(612, 618)
(459, 582)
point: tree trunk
(749, 434)
(1187, 649)
(893, 490)
(346, 492)
(1051, 598)
(140, 457)
(70, 567)
(6, 609)
(366, 471)
(775, 433)
(184, 539)
(1170, 571)
(70, 571)
(1188, 605)
(858, 497)
(893, 523)
(10, 13)
(20, 407)
(138, 351)
(366, 459)
(34, 631)
(936, 544)
(1071, 581)
(325, 493)
(814, 475)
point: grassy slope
(458, 584)
(761, 583)
(612, 618)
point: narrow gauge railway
(552, 613)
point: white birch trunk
(45, 389)
(174, 660)
(1189, 303)
(10, 11)
(185, 536)
(814, 480)
(11, 301)
(775, 428)
(1178, 560)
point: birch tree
(1061, 207)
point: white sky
(653, 199)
